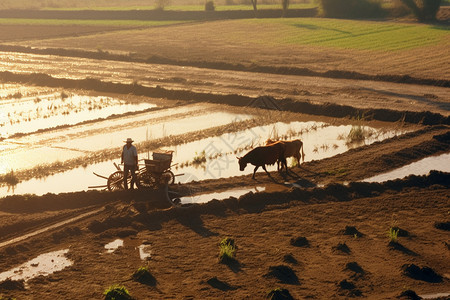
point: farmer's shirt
(129, 155)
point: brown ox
(293, 148)
(262, 156)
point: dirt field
(327, 239)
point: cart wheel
(145, 180)
(115, 181)
(168, 177)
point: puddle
(44, 264)
(113, 246)
(434, 296)
(145, 251)
(320, 141)
(421, 167)
(203, 198)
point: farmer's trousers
(132, 169)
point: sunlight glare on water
(113, 246)
(421, 167)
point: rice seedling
(393, 234)
(9, 178)
(356, 134)
(143, 275)
(117, 292)
(64, 95)
(279, 293)
(199, 158)
(324, 147)
(227, 248)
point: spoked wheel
(168, 177)
(145, 180)
(115, 181)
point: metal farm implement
(152, 174)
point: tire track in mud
(95, 205)
(287, 104)
(47, 228)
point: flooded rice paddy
(213, 157)
(24, 112)
(76, 141)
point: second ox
(292, 149)
(264, 155)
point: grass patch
(227, 249)
(393, 235)
(337, 172)
(344, 34)
(143, 275)
(279, 293)
(117, 292)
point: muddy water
(421, 167)
(44, 264)
(320, 141)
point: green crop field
(345, 34)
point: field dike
(338, 74)
(329, 109)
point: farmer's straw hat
(129, 140)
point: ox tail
(303, 153)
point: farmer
(130, 160)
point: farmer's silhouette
(130, 163)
